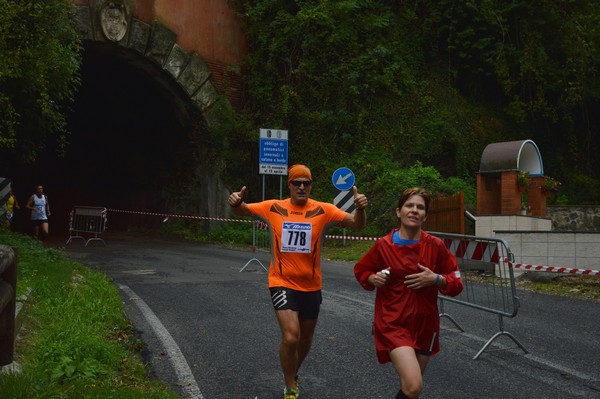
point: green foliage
(581, 188)
(236, 234)
(350, 251)
(356, 82)
(39, 63)
(347, 90)
(538, 60)
(80, 344)
(523, 180)
(391, 182)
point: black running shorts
(307, 304)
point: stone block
(177, 61)
(194, 75)
(205, 96)
(83, 22)
(139, 36)
(160, 43)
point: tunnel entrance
(129, 144)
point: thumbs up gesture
(360, 200)
(236, 198)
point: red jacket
(406, 317)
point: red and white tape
(352, 238)
(459, 248)
(553, 269)
(169, 215)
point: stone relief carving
(113, 19)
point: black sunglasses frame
(298, 183)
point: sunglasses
(298, 183)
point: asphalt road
(209, 331)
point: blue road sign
(273, 152)
(343, 179)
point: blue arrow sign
(343, 179)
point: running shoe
(290, 393)
(297, 386)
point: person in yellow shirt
(11, 205)
(297, 226)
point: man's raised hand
(360, 200)
(236, 198)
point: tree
(430, 81)
(349, 76)
(539, 62)
(40, 55)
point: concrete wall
(486, 226)
(559, 249)
(532, 240)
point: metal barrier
(8, 289)
(488, 279)
(261, 241)
(89, 220)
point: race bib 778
(296, 237)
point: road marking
(562, 369)
(182, 368)
(140, 272)
(348, 298)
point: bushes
(389, 184)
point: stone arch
(182, 77)
(113, 22)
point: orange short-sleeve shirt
(296, 237)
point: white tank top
(40, 205)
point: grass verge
(75, 341)
(573, 286)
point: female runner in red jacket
(408, 267)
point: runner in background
(408, 267)
(297, 226)
(11, 205)
(40, 211)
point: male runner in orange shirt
(297, 226)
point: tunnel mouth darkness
(129, 144)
